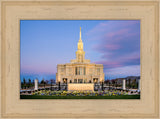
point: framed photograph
(114, 45)
(80, 59)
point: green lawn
(79, 97)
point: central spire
(80, 34)
(80, 53)
(80, 43)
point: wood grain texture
(14, 11)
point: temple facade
(80, 70)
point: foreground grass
(79, 97)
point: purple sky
(118, 44)
(113, 43)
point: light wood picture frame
(12, 11)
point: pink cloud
(110, 64)
(130, 57)
(119, 45)
(119, 61)
(37, 69)
(110, 25)
(117, 33)
(112, 46)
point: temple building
(80, 70)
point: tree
(129, 83)
(52, 81)
(24, 82)
(134, 83)
(29, 82)
(116, 83)
(43, 82)
(33, 82)
(107, 82)
(113, 82)
(46, 81)
(126, 83)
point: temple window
(80, 71)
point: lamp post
(59, 86)
(102, 85)
(66, 83)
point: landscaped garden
(114, 94)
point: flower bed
(79, 93)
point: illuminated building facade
(80, 70)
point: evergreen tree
(43, 82)
(24, 83)
(129, 83)
(29, 82)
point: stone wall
(81, 87)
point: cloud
(133, 70)
(41, 69)
(109, 64)
(118, 42)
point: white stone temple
(80, 70)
